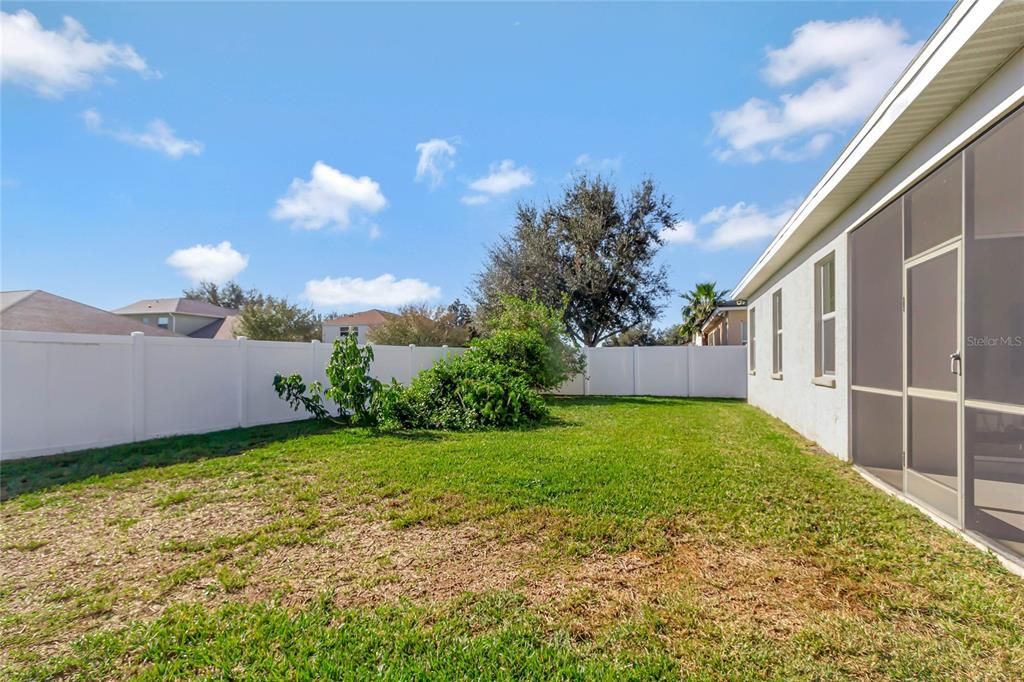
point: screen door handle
(954, 363)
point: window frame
(824, 267)
(777, 339)
(752, 340)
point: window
(825, 317)
(163, 322)
(743, 332)
(777, 334)
(752, 346)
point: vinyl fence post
(689, 370)
(243, 381)
(412, 353)
(636, 360)
(138, 396)
(586, 370)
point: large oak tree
(591, 254)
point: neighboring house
(358, 324)
(887, 316)
(34, 310)
(184, 316)
(727, 325)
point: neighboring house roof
(182, 306)
(369, 318)
(721, 309)
(976, 38)
(40, 311)
(224, 328)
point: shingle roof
(185, 306)
(370, 318)
(225, 328)
(41, 311)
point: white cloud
(503, 177)
(206, 262)
(384, 291)
(328, 197)
(436, 158)
(375, 232)
(475, 199)
(856, 61)
(683, 232)
(606, 165)
(742, 224)
(157, 135)
(55, 62)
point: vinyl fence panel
(610, 371)
(718, 371)
(663, 370)
(190, 386)
(682, 371)
(64, 392)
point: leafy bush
(351, 386)
(292, 389)
(528, 336)
(275, 319)
(494, 384)
(425, 325)
(468, 392)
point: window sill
(826, 381)
(777, 376)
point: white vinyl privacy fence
(694, 371)
(62, 392)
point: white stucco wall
(818, 412)
(333, 331)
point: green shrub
(468, 392)
(351, 386)
(494, 384)
(528, 336)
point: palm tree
(698, 306)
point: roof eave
(960, 25)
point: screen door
(932, 368)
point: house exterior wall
(331, 332)
(816, 411)
(734, 329)
(179, 323)
(188, 324)
(821, 412)
(727, 329)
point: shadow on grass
(23, 476)
(604, 400)
(19, 477)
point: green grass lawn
(627, 538)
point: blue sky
(137, 139)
